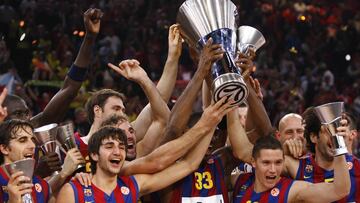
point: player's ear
(94, 156)
(253, 163)
(4, 150)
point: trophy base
(230, 85)
(340, 151)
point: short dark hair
(8, 130)
(265, 142)
(9, 102)
(312, 125)
(99, 98)
(113, 120)
(100, 135)
(351, 118)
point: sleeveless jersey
(244, 190)
(40, 191)
(206, 184)
(126, 191)
(83, 148)
(309, 171)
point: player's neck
(323, 163)
(105, 182)
(94, 127)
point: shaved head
(290, 126)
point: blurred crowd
(311, 57)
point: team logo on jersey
(38, 187)
(309, 168)
(87, 192)
(210, 161)
(243, 187)
(349, 165)
(125, 190)
(275, 192)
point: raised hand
(215, 112)
(72, 160)
(92, 20)
(3, 110)
(210, 54)
(245, 63)
(174, 41)
(130, 69)
(257, 87)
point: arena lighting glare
(81, 34)
(21, 23)
(302, 18)
(22, 37)
(75, 32)
(347, 57)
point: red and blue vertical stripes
(244, 190)
(309, 171)
(126, 191)
(206, 181)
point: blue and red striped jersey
(126, 191)
(40, 191)
(311, 172)
(244, 190)
(83, 148)
(206, 184)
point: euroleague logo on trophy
(200, 20)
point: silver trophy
(201, 19)
(65, 138)
(26, 166)
(330, 116)
(45, 137)
(249, 38)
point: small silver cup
(65, 138)
(330, 116)
(26, 166)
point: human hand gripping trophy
(27, 167)
(201, 20)
(65, 138)
(45, 137)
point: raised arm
(58, 105)
(206, 125)
(257, 122)
(241, 146)
(166, 83)
(169, 152)
(183, 107)
(303, 191)
(131, 70)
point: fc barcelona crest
(87, 192)
(309, 168)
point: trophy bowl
(203, 19)
(330, 115)
(249, 37)
(45, 137)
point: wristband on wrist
(76, 73)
